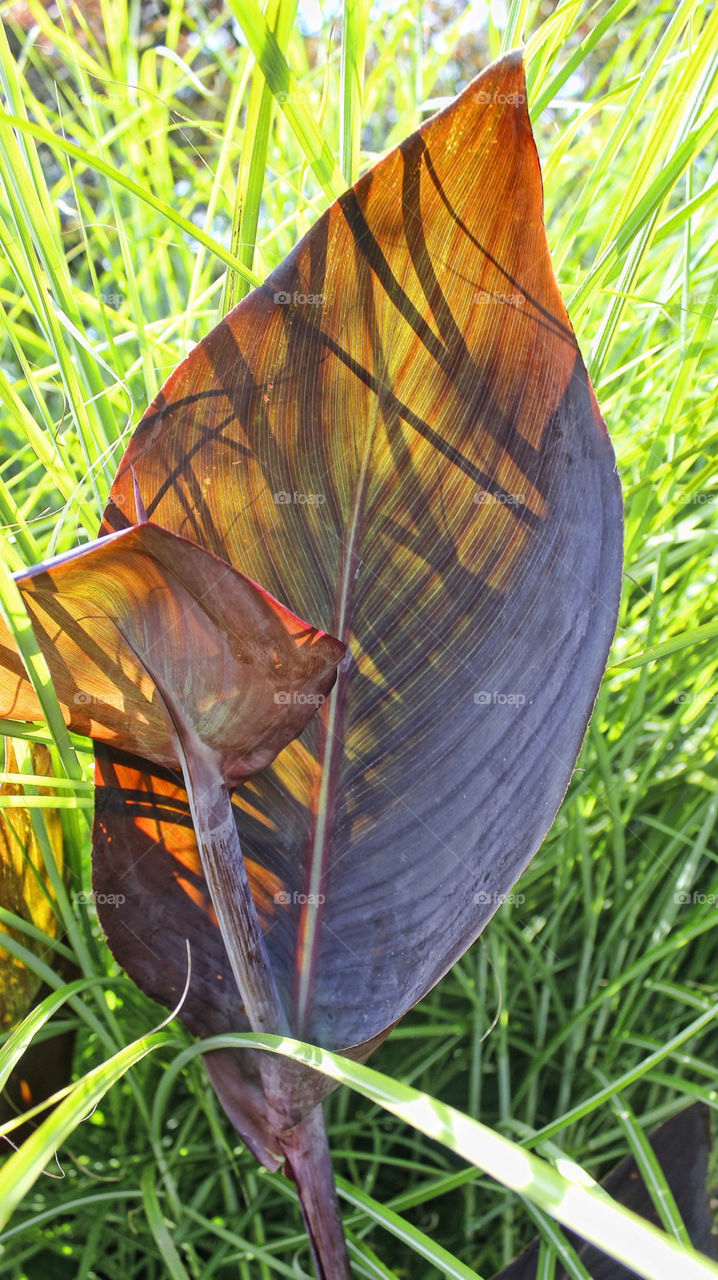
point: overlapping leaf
(149, 638)
(396, 435)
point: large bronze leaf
(396, 436)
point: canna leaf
(396, 433)
(198, 668)
(150, 638)
(163, 650)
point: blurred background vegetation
(147, 175)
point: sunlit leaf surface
(150, 638)
(396, 436)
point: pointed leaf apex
(140, 513)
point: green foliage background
(146, 149)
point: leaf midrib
(308, 928)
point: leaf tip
(140, 513)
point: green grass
(146, 179)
